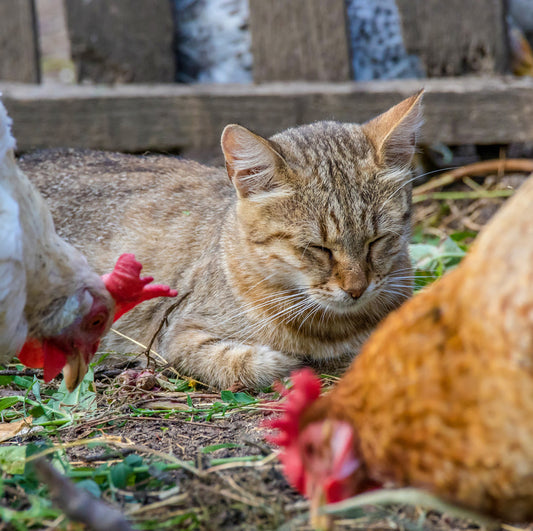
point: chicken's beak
(74, 370)
(319, 520)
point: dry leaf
(8, 430)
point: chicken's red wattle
(128, 290)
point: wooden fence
(489, 109)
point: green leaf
(36, 389)
(83, 397)
(37, 412)
(462, 235)
(120, 474)
(6, 379)
(12, 459)
(91, 486)
(215, 447)
(23, 381)
(9, 401)
(133, 460)
(244, 398)
(237, 398)
(227, 396)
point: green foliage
(431, 258)
(12, 459)
(125, 480)
(128, 479)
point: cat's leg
(225, 363)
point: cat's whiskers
(386, 300)
(401, 270)
(258, 303)
(256, 328)
(305, 249)
(311, 314)
(392, 283)
(281, 297)
(400, 281)
(313, 305)
(258, 283)
(394, 292)
(280, 300)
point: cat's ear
(394, 133)
(251, 161)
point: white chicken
(48, 292)
(53, 307)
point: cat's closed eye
(375, 244)
(320, 248)
(377, 239)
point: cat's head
(324, 209)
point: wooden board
(299, 40)
(19, 57)
(122, 42)
(456, 37)
(177, 117)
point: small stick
(497, 166)
(454, 196)
(23, 372)
(78, 504)
(409, 496)
(164, 321)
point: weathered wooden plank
(455, 37)
(178, 117)
(19, 56)
(299, 40)
(122, 42)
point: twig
(173, 500)
(164, 322)
(480, 194)
(24, 372)
(78, 504)
(476, 169)
(408, 496)
(120, 443)
(106, 456)
(251, 461)
(166, 365)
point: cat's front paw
(265, 367)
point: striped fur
(291, 261)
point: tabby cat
(292, 260)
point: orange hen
(441, 396)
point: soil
(241, 495)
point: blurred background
(229, 41)
(167, 75)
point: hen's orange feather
(441, 396)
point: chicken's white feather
(13, 326)
(46, 285)
(7, 142)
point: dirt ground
(237, 484)
(239, 495)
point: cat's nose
(355, 292)
(354, 282)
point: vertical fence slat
(130, 41)
(19, 48)
(456, 37)
(299, 40)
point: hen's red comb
(305, 390)
(127, 287)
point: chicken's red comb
(127, 287)
(305, 390)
